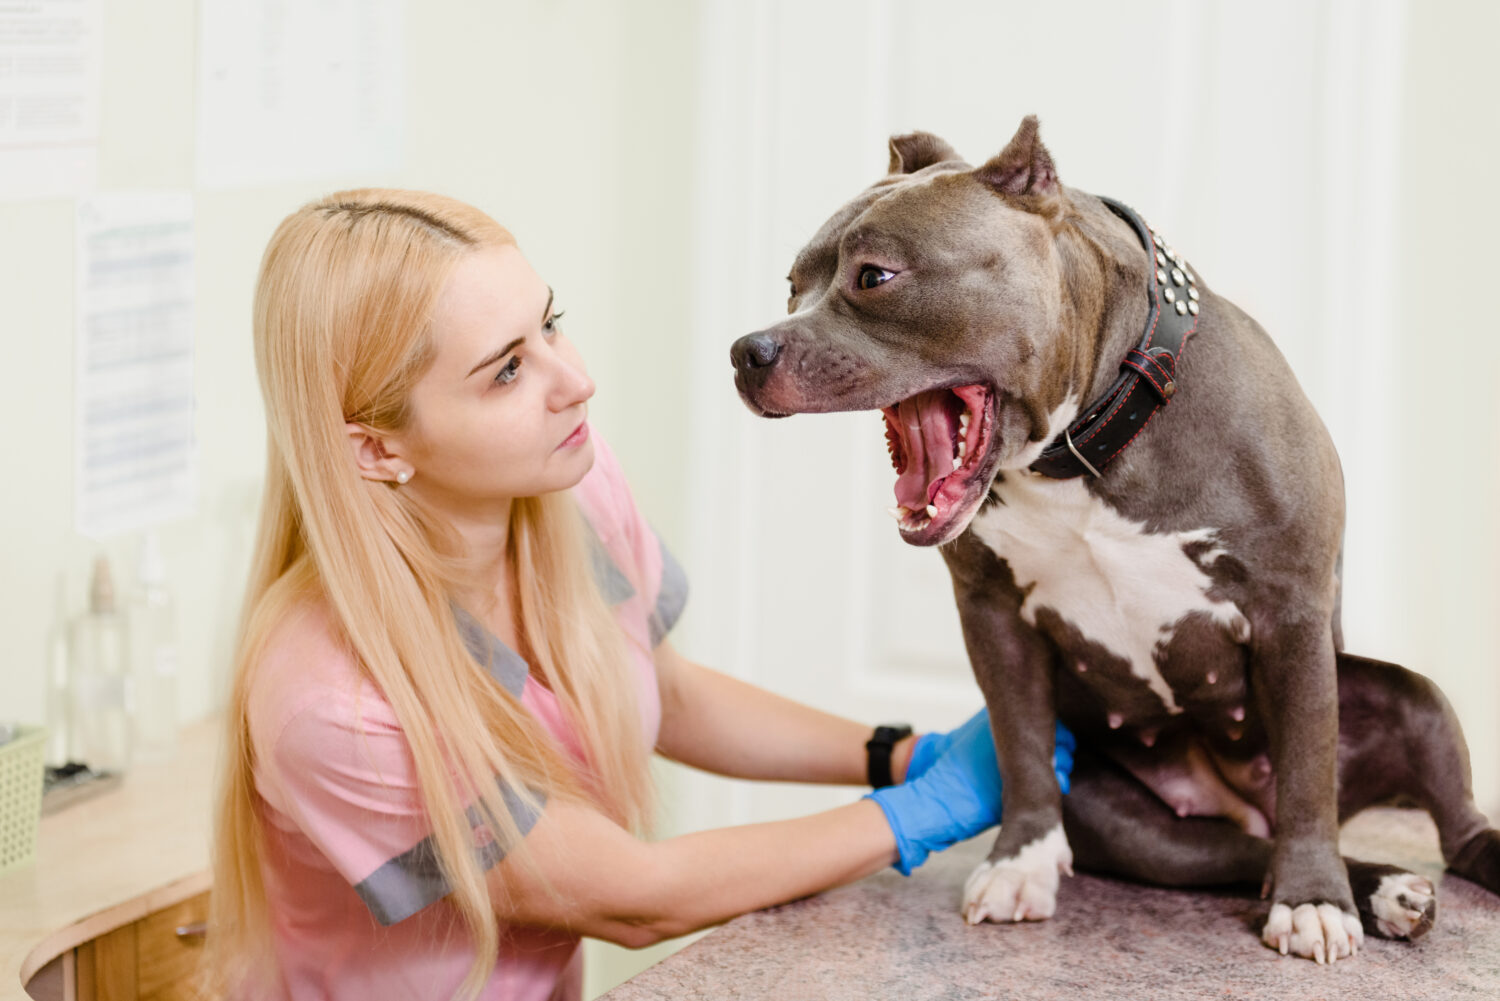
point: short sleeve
(350, 784)
(628, 555)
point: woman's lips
(578, 437)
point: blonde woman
(452, 667)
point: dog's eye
(870, 276)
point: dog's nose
(754, 351)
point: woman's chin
(569, 465)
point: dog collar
(1148, 375)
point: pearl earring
(403, 476)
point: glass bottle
(153, 655)
(60, 749)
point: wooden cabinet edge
(108, 920)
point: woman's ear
(375, 457)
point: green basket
(21, 774)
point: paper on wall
(291, 90)
(135, 461)
(49, 97)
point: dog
(1142, 515)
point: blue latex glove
(952, 789)
(930, 746)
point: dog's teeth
(896, 512)
(932, 510)
(963, 450)
(958, 460)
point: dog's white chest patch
(1121, 586)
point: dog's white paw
(1320, 932)
(1022, 888)
(1404, 905)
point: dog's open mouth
(938, 442)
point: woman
(449, 683)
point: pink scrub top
(357, 905)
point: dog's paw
(1020, 888)
(1404, 905)
(1320, 932)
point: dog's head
(935, 297)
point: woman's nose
(571, 383)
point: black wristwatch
(878, 752)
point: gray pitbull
(1143, 517)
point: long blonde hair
(341, 323)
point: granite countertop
(889, 937)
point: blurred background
(1324, 164)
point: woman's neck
(483, 536)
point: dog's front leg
(1296, 692)
(1013, 664)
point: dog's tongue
(928, 423)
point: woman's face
(500, 413)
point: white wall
(661, 162)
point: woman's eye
(870, 276)
(551, 325)
(508, 370)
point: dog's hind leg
(1399, 739)
(1117, 826)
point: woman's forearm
(721, 724)
(584, 872)
(705, 878)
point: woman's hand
(952, 789)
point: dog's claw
(1321, 932)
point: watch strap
(878, 752)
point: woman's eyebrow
(495, 356)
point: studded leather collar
(1148, 373)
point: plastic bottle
(153, 654)
(101, 682)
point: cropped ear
(1023, 167)
(915, 150)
